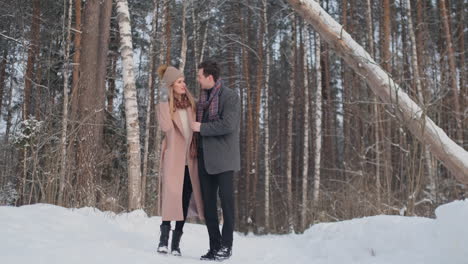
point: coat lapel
(191, 117)
(178, 122)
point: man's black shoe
(224, 253)
(210, 255)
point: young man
(218, 117)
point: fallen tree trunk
(453, 156)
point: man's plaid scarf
(211, 103)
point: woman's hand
(196, 126)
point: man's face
(205, 82)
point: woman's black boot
(164, 239)
(176, 235)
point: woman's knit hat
(169, 74)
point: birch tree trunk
(131, 107)
(305, 160)
(289, 145)
(3, 65)
(183, 49)
(168, 39)
(195, 35)
(266, 116)
(205, 36)
(454, 157)
(8, 105)
(63, 141)
(318, 120)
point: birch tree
(131, 107)
(454, 157)
(289, 145)
(183, 49)
(168, 39)
(63, 141)
(3, 67)
(318, 120)
(266, 116)
(305, 159)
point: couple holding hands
(199, 155)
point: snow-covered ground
(50, 234)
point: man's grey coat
(221, 138)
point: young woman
(179, 168)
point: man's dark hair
(210, 68)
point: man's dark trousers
(210, 184)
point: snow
(44, 233)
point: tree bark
(376, 110)
(445, 16)
(195, 35)
(420, 95)
(131, 107)
(454, 157)
(203, 45)
(168, 31)
(183, 49)
(256, 114)
(63, 141)
(249, 140)
(463, 69)
(386, 126)
(33, 50)
(111, 83)
(150, 102)
(76, 61)
(91, 97)
(318, 120)
(3, 65)
(305, 159)
(32, 53)
(266, 119)
(9, 106)
(289, 135)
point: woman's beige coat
(172, 169)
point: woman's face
(179, 86)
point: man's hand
(196, 126)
